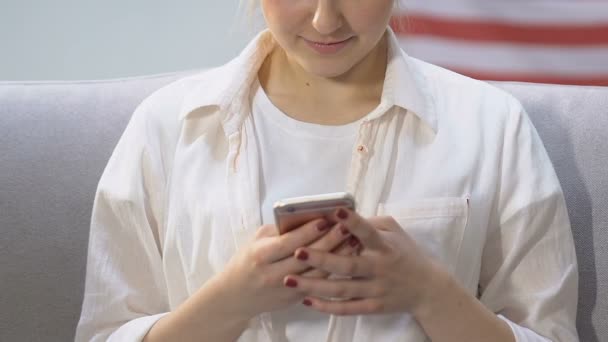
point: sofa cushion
(55, 140)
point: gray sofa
(55, 138)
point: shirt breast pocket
(436, 224)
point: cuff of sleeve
(135, 330)
(523, 334)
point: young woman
(461, 231)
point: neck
(284, 78)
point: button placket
(360, 158)
(242, 172)
(374, 135)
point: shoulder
(161, 112)
(461, 100)
(449, 83)
(163, 105)
(155, 126)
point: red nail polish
(291, 283)
(307, 302)
(323, 225)
(342, 214)
(344, 230)
(302, 255)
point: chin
(327, 70)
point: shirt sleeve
(125, 291)
(529, 272)
(523, 334)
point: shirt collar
(405, 85)
(228, 85)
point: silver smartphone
(291, 213)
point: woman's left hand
(390, 274)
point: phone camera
(291, 209)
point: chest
(437, 194)
(324, 113)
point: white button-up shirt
(455, 161)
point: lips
(328, 48)
(328, 43)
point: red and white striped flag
(545, 41)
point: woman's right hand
(251, 283)
(253, 280)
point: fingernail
(344, 230)
(353, 241)
(291, 283)
(342, 214)
(307, 302)
(323, 225)
(302, 255)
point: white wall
(97, 39)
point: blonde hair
(247, 7)
(247, 13)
